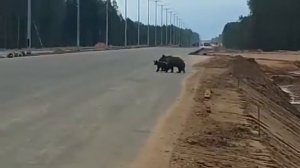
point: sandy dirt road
(93, 109)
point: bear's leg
(183, 68)
(172, 69)
(166, 69)
(179, 69)
(157, 69)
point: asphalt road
(92, 110)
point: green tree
(271, 25)
(54, 23)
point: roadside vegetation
(271, 25)
(54, 24)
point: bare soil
(232, 134)
(247, 122)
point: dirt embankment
(247, 122)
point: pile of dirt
(283, 79)
(100, 46)
(248, 71)
(250, 122)
(59, 51)
(286, 74)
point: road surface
(93, 109)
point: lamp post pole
(29, 25)
(78, 23)
(167, 26)
(139, 19)
(155, 23)
(170, 28)
(107, 21)
(148, 33)
(125, 32)
(161, 25)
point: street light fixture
(78, 23)
(161, 25)
(155, 22)
(139, 20)
(180, 33)
(107, 21)
(174, 29)
(125, 31)
(167, 25)
(171, 27)
(29, 25)
(148, 33)
(177, 30)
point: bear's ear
(163, 55)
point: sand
(247, 121)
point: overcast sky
(207, 17)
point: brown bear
(173, 62)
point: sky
(206, 17)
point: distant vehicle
(207, 45)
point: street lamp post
(18, 33)
(78, 23)
(125, 32)
(107, 21)
(174, 29)
(167, 26)
(139, 19)
(161, 25)
(176, 32)
(177, 35)
(29, 25)
(155, 22)
(148, 33)
(171, 27)
(179, 32)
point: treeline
(54, 24)
(271, 25)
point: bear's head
(163, 58)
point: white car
(206, 46)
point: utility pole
(174, 29)
(148, 33)
(5, 33)
(183, 34)
(107, 21)
(177, 32)
(167, 26)
(161, 24)
(180, 32)
(29, 25)
(78, 23)
(125, 32)
(139, 20)
(171, 27)
(18, 36)
(155, 23)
